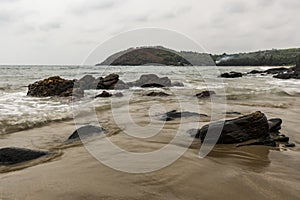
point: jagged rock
(13, 155)
(108, 82)
(172, 115)
(87, 82)
(157, 94)
(274, 124)
(54, 86)
(231, 75)
(205, 94)
(237, 130)
(152, 80)
(86, 131)
(104, 94)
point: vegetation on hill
(274, 57)
(159, 55)
(147, 55)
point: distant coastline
(164, 56)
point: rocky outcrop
(254, 126)
(231, 75)
(237, 130)
(172, 115)
(151, 80)
(87, 82)
(86, 131)
(13, 155)
(108, 82)
(104, 94)
(54, 86)
(205, 94)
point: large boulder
(87, 82)
(13, 155)
(108, 82)
(86, 131)
(54, 86)
(151, 80)
(237, 130)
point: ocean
(254, 172)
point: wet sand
(228, 172)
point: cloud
(50, 26)
(235, 7)
(86, 7)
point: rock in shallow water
(237, 130)
(54, 86)
(13, 155)
(205, 94)
(86, 131)
(104, 94)
(172, 115)
(231, 75)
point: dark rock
(237, 130)
(103, 94)
(13, 155)
(232, 75)
(256, 72)
(152, 85)
(177, 84)
(119, 94)
(233, 113)
(274, 124)
(288, 75)
(108, 82)
(157, 94)
(275, 70)
(280, 138)
(290, 145)
(152, 80)
(205, 94)
(87, 82)
(172, 115)
(54, 86)
(86, 131)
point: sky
(67, 31)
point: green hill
(274, 57)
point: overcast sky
(66, 31)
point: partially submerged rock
(151, 80)
(157, 94)
(205, 94)
(86, 131)
(13, 155)
(54, 86)
(231, 75)
(250, 127)
(87, 82)
(172, 115)
(104, 94)
(237, 130)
